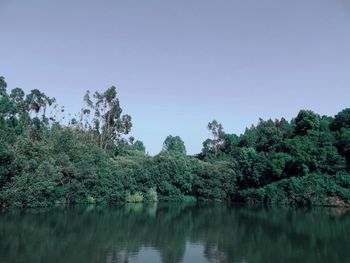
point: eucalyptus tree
(3, 85)
(213, 145)
(37, 103)
(103, 115)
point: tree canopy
(90, 159)
(174, 144)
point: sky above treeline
(179, 64)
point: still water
(175, 233)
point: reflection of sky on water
(175, 233)
(193, 253)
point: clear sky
(179, 64)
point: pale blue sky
(179, 64)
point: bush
(310, 190)
(134, 198)
(91, 200)
(152, 195)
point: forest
(46, 160)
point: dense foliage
(44, 162)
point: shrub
(134, 198)
(152, 195)
(91, 200)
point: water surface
(175, 233)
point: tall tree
(107, 122)
(3, 85)
(213, 145)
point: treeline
(91, 159)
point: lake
(172, 233)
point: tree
(107, 122)
(213, 145)
(174, 144)
(270, 134)
(44, 161)
(6, 158)
(139, 146)
(36, 102)
(3, 86)
(343, 143)
(305, 121)
(341, 120)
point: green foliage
(3, 86)
(134, 198)
(152, 195)
(313, 189)
(212, 146)
(171, 173)
(139, 146)
(306, 121)
(44, 162)
(107, 123)
(341, 120)
(91, 200)
(213, 181)
(174, 144)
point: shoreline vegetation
(47, 160)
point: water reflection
(175, 233)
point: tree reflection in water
(173, 233)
